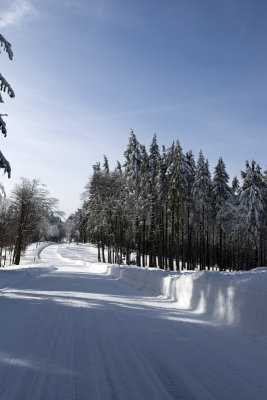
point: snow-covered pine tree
(94, 198)
(162, 186)
(190, 242)
(106, 165)
(131, 186)
(153, 161)
(143, 207)
(5, 87)
(251, 215)
(222, 200)
(202, 189)
(103, 214)
(119, 168)
(235, 185)
(178, 173)
(132, 165)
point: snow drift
(29, 267)
(237, 298)
(16, 274)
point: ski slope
(74, 332)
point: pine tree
(222, 198)
(106, 165)
(143, 205)
(132, 165)
(202, 190)
(153, 161)
(190, 242)
(178, 173)
(251, 211)
(132, 183)
(166, 207)
(162, 185)
(5, 87)
(235, 185)
(119, 168)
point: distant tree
(118, 168)
(53, 229)
(71, 228)
(31, 209)
(5, 87)
(235, 185)
(106, 165)
(75, 226)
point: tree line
(28, 216)
(163, 209)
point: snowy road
(71, 334)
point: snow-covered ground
(30, 266)
(236, 298)
(72, 328)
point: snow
(84, 330)
(236, 298)
(27, 269)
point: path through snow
(74, 334)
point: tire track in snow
(73, 335)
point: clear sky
(87, 71)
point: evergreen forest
(163, 209)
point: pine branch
(5, 164)
(7, 46)
(3, 124)
(5, 86)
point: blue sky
(87, 71)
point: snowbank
(237, 298)
(14, 275)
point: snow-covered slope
(29, 267)
(237, 298)
(81, 332)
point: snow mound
(14, 275)
(29, 267)
(237, 298)
(234, 298)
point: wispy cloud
(13, 12)
(114, 12)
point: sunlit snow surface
(72, 328)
